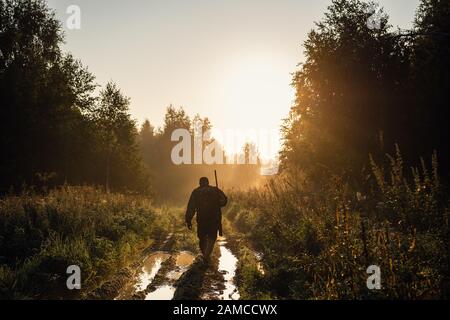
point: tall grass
(318, 241)
(41, 235)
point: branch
(418, 34)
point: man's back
(207, 201)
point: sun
(256, 94)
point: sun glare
(257, 95)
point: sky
(228, 60)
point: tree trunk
(108, 161)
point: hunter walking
(206, 201)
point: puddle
(151, 266)
(183, 261)
(227, 266)
(165, 292)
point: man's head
(204, 182)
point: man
(206, 201)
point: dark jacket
(206, 201)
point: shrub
(41, 235)
(317, 241)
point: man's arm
(223, 200)
(190, 211)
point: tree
(175, 119)
(431, 78)
(347, 91)
(112, 117)
(43, 94)
(147, 140)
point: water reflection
(227, 266)
(162, 293)
(183, 261)
(150, 268)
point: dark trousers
(207, 235)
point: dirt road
(166, 273)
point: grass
(316, 239)
(41, 235)
(317, 242)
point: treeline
(58, 127)
(54, 128)
(347, 198)
(174, 183)
(360, 90)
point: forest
(363, 176)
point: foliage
(50, 116)
(41, 236)
(332, 213)
(318, 245)
(361, 89)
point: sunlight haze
(230, 61)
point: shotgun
(220, 209)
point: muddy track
(165, 273)
(114, 287)
(201, 281)
(152, 260)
